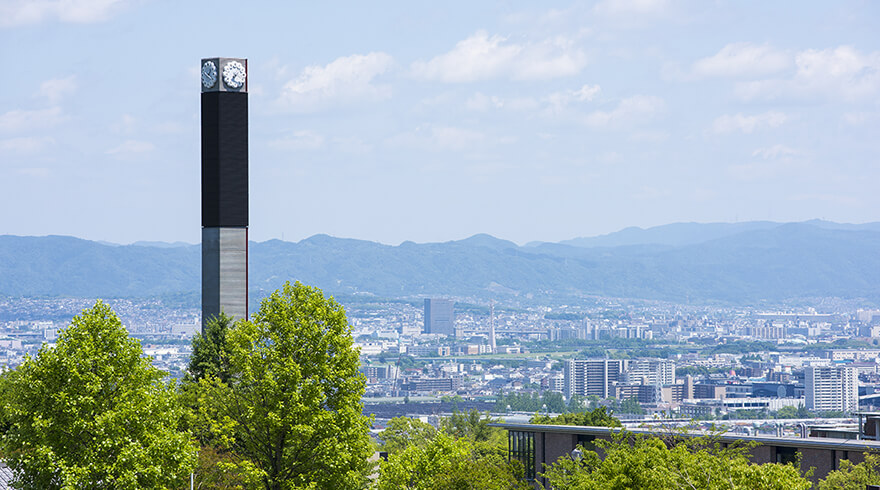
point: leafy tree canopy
(92, 412)
(649, 463)
(853, 476)
(401, 432)
(599, 417)
(292, 405)
(210, 355)
(448, 463)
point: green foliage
(448, 463)
(787, 413)
(549, 401)
(472, 425)
(292, 407)
(853, 476)
(92, 413)
(696, 371)
(218, 469)
(649, 463)
(210, 356)
(600, 417)
(5, 394)
(740, 347)
(631, 406)
(401, 432)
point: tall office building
(587, 377)
(439, 316)
(224, 188)
(831, 388)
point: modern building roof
(801, 442)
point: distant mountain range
(717, 262)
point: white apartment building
(592, 376)
(832, 388)
(650, 372)
(598, 376)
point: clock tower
(224, 188)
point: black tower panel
(224, 159)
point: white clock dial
(234, 74)
(209, 74)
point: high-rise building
(650, 372)
(224, 188)
(492, 345)
(831, 388)
(440, 316)
(587, 377)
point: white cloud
(840, 73)
(299, 140)
(558, 101)
(56, 89)
(439, 138)
(632, 13)
(631, 7)
(28, 144)
(480, 102)
(126, 124)
(550, 105)
(346, 79)
(23, 12)
(130, 147)
(481, 57)
(748, 124)
(770, 163)
(630, 111)
(18, 120)
(742, 60)
(776, 152)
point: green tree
(649, 463)
(92, 412)
(853, 476)
(472, 425)
(632, 406)
(4, 395)
(599, 417)
(401, 432)
(210, 355)
(788, 412)
(292, 406)
(448, 463)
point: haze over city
(399, 121)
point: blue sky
(393, 121)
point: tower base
(224, 273)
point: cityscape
(737, 367)
(583, 245)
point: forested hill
(762, 262)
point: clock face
(234, 75)
(209, 74)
